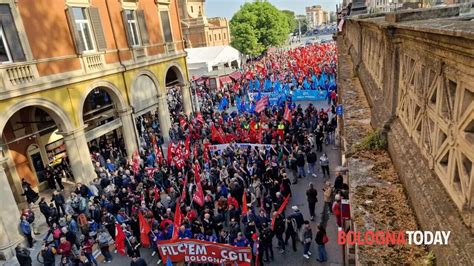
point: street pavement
(334, 251)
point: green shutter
(165, 22)
(142, 25)
(98, 30)
(78, 42)
(11, 34)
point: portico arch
(150, 107)
(175, 79)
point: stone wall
(416, 69)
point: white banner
(220, 147)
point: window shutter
(78, 42)
(127, 29)
(165, 22)
(142, 26)
(98, 30)
(11, 34)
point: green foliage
(257, 26)
(290, 17)
(373, 141)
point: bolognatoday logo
(393, 238)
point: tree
(292, 23)
(257, 26)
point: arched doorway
(152, 120)
(178, 95)
(33, 147)
(102, 123)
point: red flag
(195, 151)
(119, 239)
(281, 209)
(244, 204)
(261, 104)
(158, 154)
(182, 122)
(287, 114)
(187, 147)
(171, 148)
(200, 118)
(178, 157)
(217, 135)
(205, 155)
(198, 196)
(197, 173)
(136, 162)
(183, 193)
(177, 221)
(144, 230)
(157, 194)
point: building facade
(200, 31)
(74, 73)
(316, 16)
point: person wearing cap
(307, 239)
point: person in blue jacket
(241, 241)
(184, 233)
(26, 230)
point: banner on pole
(197, 251)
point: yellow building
(200, 31)
(76, 72)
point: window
(210, 38)
(165, 23)
(219, 36)
(192, 9)
(83, 28)
(5, 56)
(11, 49)
(132, 25)
(215, 37)
(225, 37)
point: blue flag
(168, 262)
(223, 104)
(257, 84)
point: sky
(227, 8)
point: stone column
(187, 103)
(79, 155)
(10, 235)
(164, 116)
(128, 131)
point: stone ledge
(421, 14)
(433, 208)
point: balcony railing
(17, 74)
(93, 63)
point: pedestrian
(58, 178)
(138, 261)
(65, 249)
(291, 231)
(311, 159)
(48, 252)
(26, 230)
(319, 135)
(327, 193)
(279, 230)
(336, 210)
(59, 201)
(312, 198)
(23, 255)
(86, 247)
(338, 182)
(30, 217)
(324, 161)
(28, 192)
(44, 209)
(321, 240)
(103, 240)
(300, 163)
(267, 239)
(308, 238)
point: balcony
(16, 75)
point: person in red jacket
(336, 210)
(86, 248)
(65, 249)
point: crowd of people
(236, 195)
